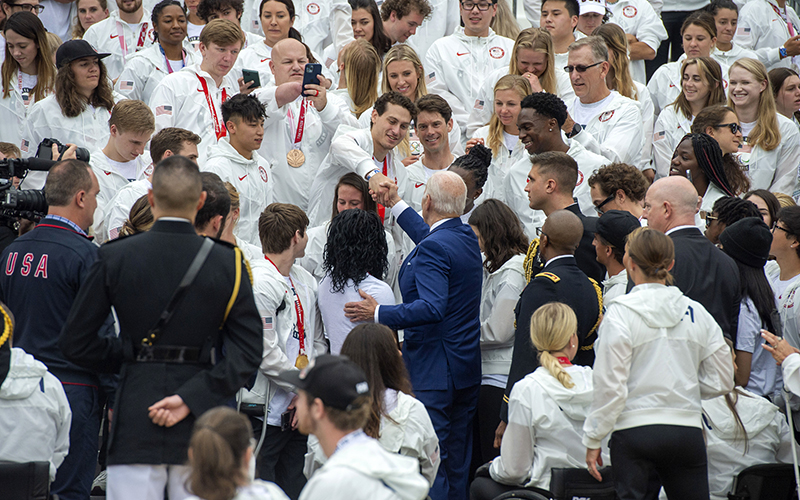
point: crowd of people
(398, 250)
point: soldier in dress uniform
(169, 376)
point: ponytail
(552, 328)
(218, 445)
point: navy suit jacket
(441, 285)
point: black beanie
(747, 241)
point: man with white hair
(441, 285)
(702, 271)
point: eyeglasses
(734, 127)
(483, 6)
(580, 68)
(29, 7)
(710, 218)
(599, 206)
(539, 232)
(776, 226)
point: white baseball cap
(596, 6)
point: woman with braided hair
(474, 169)
(660, 354)
(546, 410)
(699, 159)
(35, 415)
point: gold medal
(295, 158)
(301, 361)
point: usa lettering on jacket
(26, 265)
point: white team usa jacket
(763, 30)
(456, 65)
(111, 182)
(666, 82)
(615, 132)
(321, 22)
(639, 18)
(291, 184)
(145, 70)
(179, 101)
(13, 113)
(251, 178)
(114, 36)
(670, 128)
(271, 293)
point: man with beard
(121, 34)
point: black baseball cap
(75, 49)
(614, 226)
(336, 380)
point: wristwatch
(783, 53)
(575, 129)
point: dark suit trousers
(451, 411)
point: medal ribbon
(25, 99)
(169, 67)
(298, 309)
(301, 124)
(785, 18)
(219, 128)
(381, 208)
(124, 45)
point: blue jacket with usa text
(41, 273)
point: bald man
(702, 271)
(441, 285)
(299, 126)
(560, 281)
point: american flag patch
(163, 110)
(266, 322)
(113, 234)
(743, 31)
(479, 104)
(126, 85)
(431, 77)
(659, 135)
(24, 146)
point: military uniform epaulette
(222, 242)
(551, 276)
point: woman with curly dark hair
(354, 262)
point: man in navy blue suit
(441, 285)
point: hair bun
(482, 153)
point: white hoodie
(768, 439)
(145, 70)
(34, 414)
(499, 296)
(111, 182)
(104, 36)
(544, 428)
(453, 66)
(657, 354)
(363, 469)
(251, 178)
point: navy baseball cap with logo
(73, 50)
(336, 380)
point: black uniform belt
(168, 354)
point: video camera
(28, 203)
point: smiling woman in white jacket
(658, 354)
(504, 245)
(28, 73)
(546, 410)
(79, 110)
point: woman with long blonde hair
(501, 135)
(28, 72)
(533, 58)
(770, 151)
(619, 79)
(546, 410)
(358, 78)
(701, 87)
(403, 72)
(504, 23)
